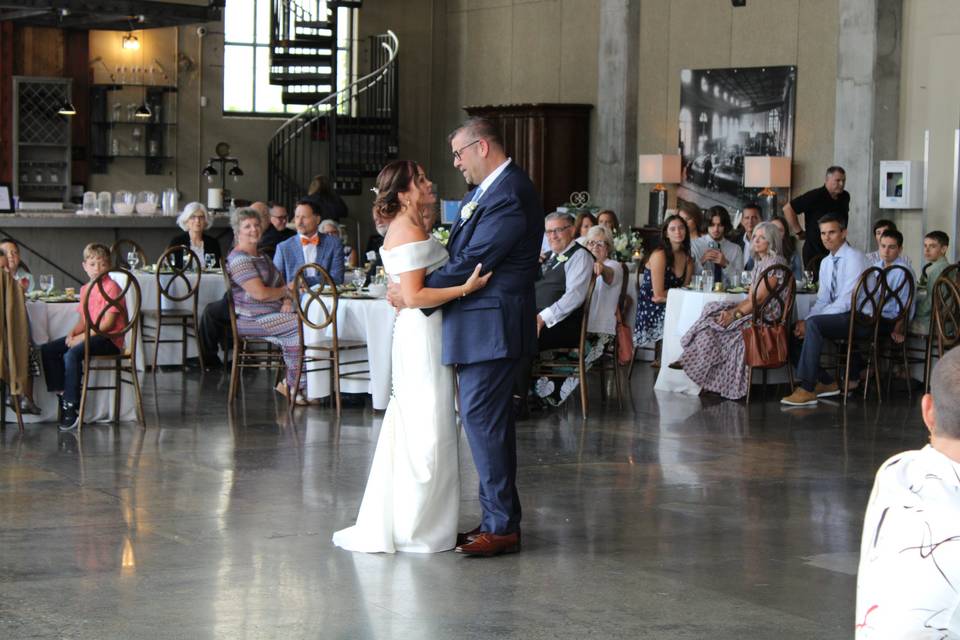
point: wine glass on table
(46, 283)
(745, 279)
(133, 260)
(210, 260)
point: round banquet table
(367, 320)
(684, 307)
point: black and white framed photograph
(6, 199)
(725, 115)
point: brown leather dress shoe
(490, 544)
(464, 538)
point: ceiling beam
(110, 14)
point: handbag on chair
(765, 346)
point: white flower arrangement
(625, 244)
(442, 235)
(468, 210)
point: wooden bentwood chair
(121, 363)
(155, 319)
(888, 349)
(556, 363)
(611, 358)
(866, 303)
(248, 352)
(775, 310)
(325, 353)
(944, 321)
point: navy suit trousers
(819, 329)
(486, 411)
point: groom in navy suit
(486, 334)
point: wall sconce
(130, 42)
(658, 170)
(766, 172)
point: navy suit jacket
(504, 234)
(289, 257)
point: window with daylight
(246, 57)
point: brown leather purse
(765, 346)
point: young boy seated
(935, 246)
(63, 358)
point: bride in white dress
(411, 502)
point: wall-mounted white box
(901, 184)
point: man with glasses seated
(560, 292)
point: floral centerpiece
(626, 244)
(442, 234)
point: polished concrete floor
(673, 517)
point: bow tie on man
(313, 240)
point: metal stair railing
(292, 152)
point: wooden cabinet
(41, 149)
(549, 141)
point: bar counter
(58, 237)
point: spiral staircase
(347, 134)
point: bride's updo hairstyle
(394, 179)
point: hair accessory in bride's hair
(376, 191)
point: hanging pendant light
(143, 112)
(67, 108)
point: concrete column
(868, 99)
(615, 185)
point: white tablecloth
(212, 288)
(683, 309)
(370, 321)
(49, 321)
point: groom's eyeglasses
(456, 154)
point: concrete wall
(929, 99)
(702, 34)
(507, 52)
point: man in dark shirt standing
(830, 198)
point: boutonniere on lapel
(562, 258)
(468, 210)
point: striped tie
(833, 278)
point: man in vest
(560, 292)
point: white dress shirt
(490, 179)
(731, 251)
(891, 308)
(578, 269)
(310, 252)
(908, 584)
(874, 256)
(850, 265)
(603, 305)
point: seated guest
(713, 252)
(63, 358)
(935, 246)
(790, 253)
(749, 219)
(309, 246)
(670, 265)
(829, 317)
(582, 224)
(910, 550)
(195, 220)
(607, 218)
(693, 217)
(262, 302)
(276, 232)
(830, 198)
(22, 276)
(879, 227)
(891, 245)
(15, 267)
(714, 356)
(331, 228)
(560, 292)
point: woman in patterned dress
(713, 350)
(263, 303)
(669, 266)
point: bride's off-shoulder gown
(412, 497)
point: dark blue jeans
(806, 353)
(63, 366)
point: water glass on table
(808, 280)
(745, 279)
(133, 260)
(210, 260)
(707, 280)
(46, 283)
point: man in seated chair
(829, 317)
(889, 254)
(276, 232)
(560, 292)
(309, 246)
(935, 247)
(910, 550)
(714, 252)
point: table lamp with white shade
(658, 170)
(766, 172)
